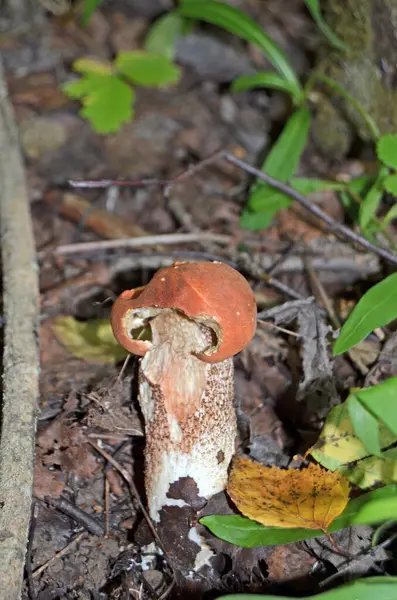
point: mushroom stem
(189, 417)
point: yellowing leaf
(92, 341)
(339, 449)
(310, 498)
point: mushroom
(187, 324)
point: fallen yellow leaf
(92, 341)
(311, 498)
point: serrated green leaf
(390, 184)
(89, 7)
(147, 69)
(339, 449)
(382, 588)
(315, 11)
(164, 34)
(377, 308)
(365, 425)
(92, 341)
(107, 101)
(386, 149)
(370, 204)
(237, 22)
(261, 80)
(243, 532)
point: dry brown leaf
(310, 498)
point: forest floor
(82, 543)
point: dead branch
(20, 356)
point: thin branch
(313, 208)
(20, 358)
(138, 242)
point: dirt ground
(83, 539)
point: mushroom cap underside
(212, 294)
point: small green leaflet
(233, 20)
(386, 150)
(106, 98)
(314, 9)
(383, 588)
(377, 308)
(243, 532)
(147, 69)
(107, 101)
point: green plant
(106, 90)
(383, 588)
(283, 158)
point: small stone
(40, 136)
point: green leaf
(333, 85)
(91, 65)
(241, 531)
(392, 214)
(281, 163)
(365, 425)
(307, 185)
(146, 69)
(164, 34)
(89, 7)
(263, 207)
(390, 184)
(382, 588)
(107, 101)
(314, 9)
(339, 449)
(377, 308)
(235, 21)
(92, 341)
(381, 401)
(372, 200)
(386, 149)
(261, 80)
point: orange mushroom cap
(212, 294)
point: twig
(313, 208)
(20, 358)
(90, 523)
(59, 554)
(138, 242)
(135, 494)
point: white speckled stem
(189, 413)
